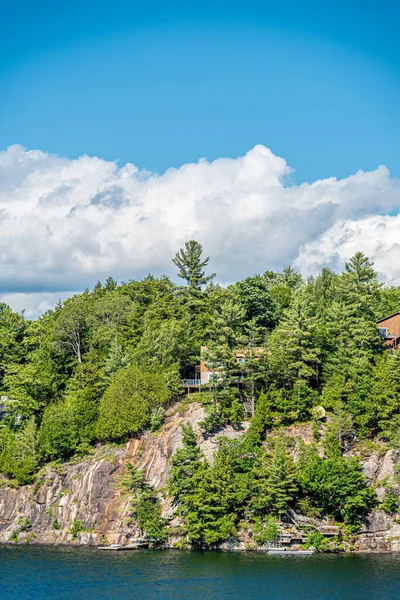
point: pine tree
(218, 498)
(275, 484)
(294, 350)
(351, 320)
(117, 359)
(253, 294)
(146, 507)
(262, 420)
(378, 411)
(190, 264)
(184, 464)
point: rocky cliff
(81, 502)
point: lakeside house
(205, 372)
(389, 330)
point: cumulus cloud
(377, 236)
(64, 224)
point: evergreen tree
(377, 411)
(294, 351)
(184, 464)
(274, 484)
(191, 264)
(352, 319)
(117, 359)
(337, 486)
(253, 295)
(57, 434)
(126, 405)
(219, 494)
(146, 507)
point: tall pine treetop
(191, 264)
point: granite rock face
(85, 495)
(380, 532)
(82, 503)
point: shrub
(126, 405)
(265, 530)
(76, 527)
(57, 434)
(157, 418)
(13, 537)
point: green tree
(191, 265)
(72, 325)
(18, 452)
(57, 434)
(117, 359)
(337, 486)
(184, 464)
(218, 499)
(253, 295)
(274, 484)
(351, 319)
(294, 351)
(146, 507)
(126, 405)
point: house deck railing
(191, 383)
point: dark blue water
(39, 573)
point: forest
(104, 365)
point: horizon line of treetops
(103, 365)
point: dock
(118, 548)
(293, 552)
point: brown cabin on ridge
(389, 330)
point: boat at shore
(137, 544)
(285, 551)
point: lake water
(41, 573)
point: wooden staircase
(322, 526)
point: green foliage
(103, 365)
(274, 480)
(184, 464)
(18, 452)
(337, 486)
(390, 502)
(316, 540)
(295, 352)
(76, 528)
(127, 403)
(265, 529)
(24, 523)
(13, 537)
(253, 295)
(57, 433)
(213, 496)
(213, 419)
(157, 418)
(191, 264)
(146, 508)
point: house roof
(388, 317)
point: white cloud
(377, 236)
(34, 303)
(64, 224)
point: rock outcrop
(82, 503)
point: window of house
(382, 331)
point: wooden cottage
(389, 330)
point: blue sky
(293, 104)
(163, 84)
